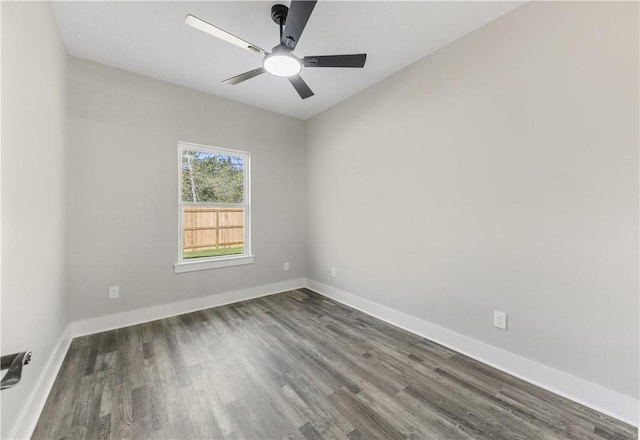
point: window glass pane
(212, 177)
(212, 232)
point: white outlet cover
(333, 271)
(286, 265)
(114, 292)
(500, 320)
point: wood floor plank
(61, 402)
(296, 365)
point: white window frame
(204, 263)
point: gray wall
(499, 173)
(34, 302)
(122, 185)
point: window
(214, 208)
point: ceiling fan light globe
(282, 65)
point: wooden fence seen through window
(212, 228)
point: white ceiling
(150, 38)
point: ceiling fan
(281, 61)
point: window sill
(204, 264)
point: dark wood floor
(296, 365)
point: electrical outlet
(500, 320)
(333, 271)
(286, 265)
(114, 292)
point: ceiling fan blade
(301, 87)
(244, 76)
(354, 60)
(210, 29)
(297, 17)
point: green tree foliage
(208, 177)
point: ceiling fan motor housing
(279, 14)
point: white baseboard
(138, 316)
(29, 416)
(589, 394)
